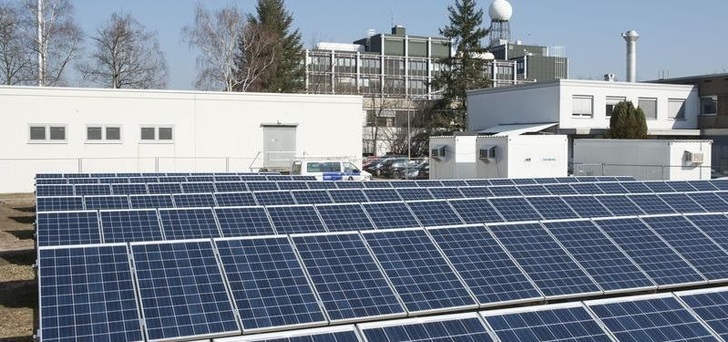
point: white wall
(511, 105)
(532, 156)
(443, 168)
(686, 170)
(213, 131)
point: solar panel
(586, 188)
(347, 196)
(593, 179)
(243, 221)
(653, 255)
(64, 190)
(713, 225)
(475, 191)
(150, 201)
(651, 204)
(659, 186)
(84, 180)
(549, 266)
(709, 201)
(67, 228)
(235, 199)
(164, 188)
(193, 200)
(87, 293)
(601, 258)
(413, 194)
(182, 291)
(682, 203)
(546, 180)
(636, 187)
(515, 209)
(505, 191)
(197, 178)
(377, 185)
(434, 213)
(129, 189)
(92, 189)
(340, 333)
(226, 178)
(106, 202)
(231, 187)
(568, 180)
(277, 197)
(346, 277)
(114, 180)
(144, 180)
(524, 181)
(198, 187)
(247, 177)
(681, 186)
(711, 305)
(349, 185)
(50, 181)
(188, 223)
(650, 318)
(562, 322)
(462, 327)
(279, 177)
(171, 178)
(382, 195)
(560, 189)
(484, 266)
(477, 210)
(533, 190)
(130, 225)
(620, 205)
(268, 284)
(262, 186)
(344, 217)
(453, 183)
(387, 215)
(311, 196)
(48, 175)
(292, 185)
(76, 175)
(70, 203)
(295, 219)
(321, 185)
(587, 206)
(702, 185)
(721, 184)
(501, 181)
(552, 208)
(428, 183)
(692, 244)
(611, 188)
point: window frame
(714, 99)
(608, 103)
(652, 99)
(677, 117)
(157, 136)
(47, 136)
(574, 98)
(104, 137)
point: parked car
(399, 169)
(391, 165)
(421, 171)
(329, 170)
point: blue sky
(678, 38)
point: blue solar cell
(235, 199)
(476, 210)
(279, 177)
(709, 201)
(151, 201)
(681, 186)
(144, 180)
(87, 294)
(515, 209)
(48, 175)
(85, 180)
(586, 188)
(659, 186)
(128, 174)
(382, 195)
(682, 203)
(268, 284)
(328, 334)
(714, 226)
(106, 202)
(292, 185)
(51, 181)
(703, 185)
(587, 206)
(475, 191)
(226, 178)
(418, 272)
(458, 328)
(349, 185)
(378, 185)
(295, 219)
(182, 292)
(277, 197)
(523, 181)
(164, 188)
(76, 175)
(387, 215)
(620, 205)
(347, 196)
(92, 189)
(721, 184)
(130, 225)
(173, 178)
(413, 194)
(505, 191)
(64, 190)
(651, 204)
(560, 189)
(200, 179)
(552, 208)
(541, 257)
(67, 228)
(611, 188)
(243, 221)
(570, 323)
(712, 307)
(70, 203)
(567, 180)
(198, 187)
(193, 200)
(533, 190)
(247, 177)
(188, 223)
(692, 244)
(484, 266)
(636, 187)
(231, 187)
(346, 277)
(601, 258)
(428, 183)
(501, 181)
(262, 186)
(591, 179)
(114, 180)
(655, 319)
(311, 196)
(129, 189)
(321, 185)
(653, 255)
(403, 184)
(434, 213)
(344, 217)
(453, 183)
(545, 180)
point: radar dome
(500, 10)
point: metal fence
(643, 172)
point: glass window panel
(37, 133)
(58, 133)
(93, 133)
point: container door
(279, 146)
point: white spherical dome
(500, 10)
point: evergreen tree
(464, 70)
(286, 72)
(627, 122)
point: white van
(329, 170)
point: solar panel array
(252, 269)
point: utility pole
(41, 46)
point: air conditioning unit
(694, 157)
(439, 152)
(487, 154)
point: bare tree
(16, 65)
(125, 56)
(216, 35)
(256, 54)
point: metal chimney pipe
(631, 38)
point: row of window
(583, 106)
(98, 133)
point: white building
(104, 130)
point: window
(93, 133)
(157, 133)
(37, 133)
(165, 133)
(148, 133)
(58, 133)
(676, 109)
(582, 106)
(113, 133)
(649, 107)
(611, 102)
(102, 133)
(323, 167)
(55, 133)
(709, 105)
